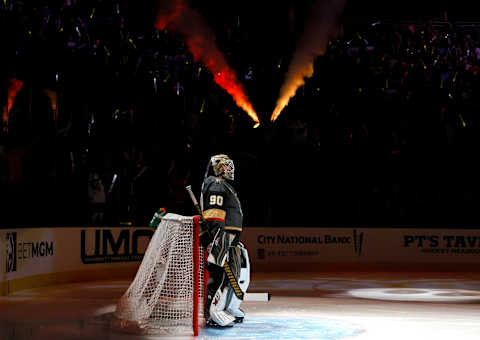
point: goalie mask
(223, 166)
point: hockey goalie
(227, 263)
(164, 295)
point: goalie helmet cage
(167, 294)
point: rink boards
(319, 249)
(35, 257)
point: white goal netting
(166, 296)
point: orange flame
(200, 39)
(52, 95)
(14, 87)
(226, 79)
(321, 27)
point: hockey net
(167, 293)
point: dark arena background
(351, 125)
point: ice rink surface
(368, 305)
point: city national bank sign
(307, 243)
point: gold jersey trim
(214, 213)
(230, 227)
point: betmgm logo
(110, 248)
(19, 252)
(11, 258)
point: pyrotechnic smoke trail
(179, 17)
(321, 27)
(52, 95)
(14, 86)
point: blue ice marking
(284, 328)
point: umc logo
(109, 248)
(11, 263)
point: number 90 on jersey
(216, 200)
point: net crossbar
(167, 293)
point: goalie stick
(195, 202)
(261, 297)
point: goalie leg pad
(217, 311)
(242, 269)
(215, 281)
(217, 292)
(223, 305)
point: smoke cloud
(178, 16)
(322, 26)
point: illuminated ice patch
(284, 328)
(417, 294)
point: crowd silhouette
(113, 118)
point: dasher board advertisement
(362, 245)
(34, 251)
